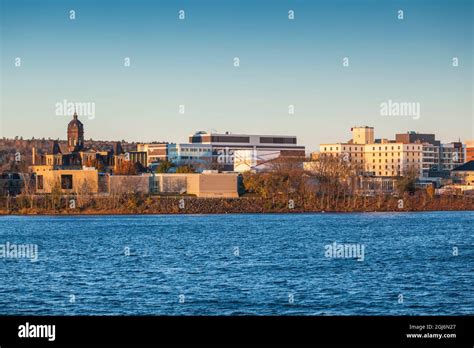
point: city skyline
(283, 62)
(271, 170)
(339, 138)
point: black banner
(133, 331)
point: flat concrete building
(85, 181)
(209, 185)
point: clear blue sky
(283, 62)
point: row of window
(409, 154)
(190, 150)
(277, 140)
(386, 167)
(386, 161)
(414, 148)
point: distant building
(217, 150)
(438, 158)
(263, 160)
(430, 159)
(362, 135)
(377, 157)
(75, 135)
(414, 137)
(430, 150)
(209, 185)
(367, 185)
(11, 184)
(156, 152)
(464, 174)
(82, 181)
(197, 155)
(452, 155)
(409, 151)
(223, 145)
(137, 157)
(78, 156)
(469, 144)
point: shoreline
(2, 214)
(156, 205)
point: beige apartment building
(379, 157)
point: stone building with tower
(75, 135)
(75, 155)
(75, 167)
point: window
(40, 182)
(264, 140)
(232, 139)
(66, 182)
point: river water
(264, 264)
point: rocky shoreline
(193, 205)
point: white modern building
(224, 146)
(194, 154)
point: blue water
(190, 265)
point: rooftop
(469, 166)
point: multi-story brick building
(469, 144)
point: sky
(190, 62)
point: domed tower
(75, 135)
